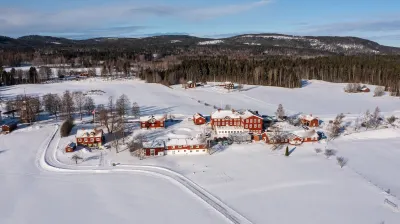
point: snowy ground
(261, 185)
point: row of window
(173, 152)
(227, 123)
(253, 126)
(152, 125)
(184, 146)
(87, 140)
(254, 120)
(229, 132)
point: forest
(283, 71)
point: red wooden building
(70, 147)
(9, 126)
(229, 85)
(309, 120)
(294, 138)
(365, 89)
(153, 121)
(185, 146)
(191, 84)
(246, 121)
(155, 148)
(90, 137)
(199, 119)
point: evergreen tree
(287, 151)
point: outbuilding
(70, 147)
(9, 126)
(199, 119)
(309, 120)
(185, 146)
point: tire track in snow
(47, 160)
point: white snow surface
(210, 42)
(249, 183)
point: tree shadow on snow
(3, 151)
(152, 110)
(305, 83)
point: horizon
(139, 19)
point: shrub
(66, 127)
(318, 150)
(379, 91)
(341, 161)
(329, 152)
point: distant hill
(267, 44)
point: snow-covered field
(248, 183)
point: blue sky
(378, 20)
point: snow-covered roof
(222, 114)
(189, 82)
(308, 117)
(81, 133)
(246, 114)
(182, 141)
(306, 134)
(154, 144)
(156, 117)
(198, 115)
(229, 128)
(364, 88)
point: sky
(377, 20)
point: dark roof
(10, 112)
(10, 122)
(72, 145)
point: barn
(309, 120)
(307, 136)
(252, 121)
(70, 147)
(9, 126)
(199, 119)
(152, 122)
(155, 148)
(90, 137)
(185, 146)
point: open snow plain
(245, 183)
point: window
(191, 146)
(79, 140)
(246, 126)
(162, 124)
(180, 146)
(223, 123)
(197, 146)
(197, 150)
(98, 139)
(251, 120)
(91, 139)
(86, 140)
(152, 125)
(143, 125)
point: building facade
(225, 122)
(90, 137)
(199, 119)
(152, 122)
(309, 120)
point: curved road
(48, 161)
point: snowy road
(48, 161)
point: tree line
(283, 71)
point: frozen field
(261, 185)
(31, 195)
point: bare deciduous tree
(280, 112)
(336, 126)
(89, 104)
(391, 119)
(79, 100)
(376, 118)
(68, 104)
(228, 107)
(318, 150)
(122, 105)
(52, 104)
(352, 88)
(136, 146)
(135, 110)
(76, 157)
(341, 161)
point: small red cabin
(154, 121)
(365, 89)
(9, 126)
(309, 120)
(70, 147)
(199, 119)
(191, 84)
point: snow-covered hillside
(210, 42)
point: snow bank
(211, 42)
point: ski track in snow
(47, 160)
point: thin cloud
(361, 26)
(18, 21)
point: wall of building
(187, 152)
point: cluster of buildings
(91, 138)
(191, 84)
(227, 123)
